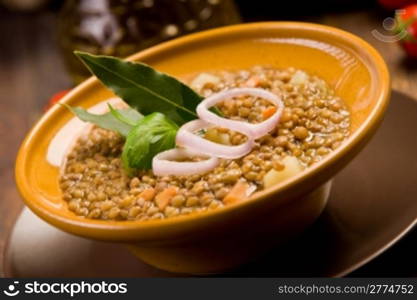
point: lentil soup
(313, 123)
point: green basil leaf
(108, 120)
(124, 117)
(153, 134)
(144, 88)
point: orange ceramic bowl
(222, 239)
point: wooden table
(31, 71)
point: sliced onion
(188, 139)
(256, 130)
(164, 164)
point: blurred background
(37, 38)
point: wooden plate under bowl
(372, 205)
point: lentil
(314, 123)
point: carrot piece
(147, 194)
(164, 197)
(253, 81)
(267, 113)
(237, 193)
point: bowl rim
(361, 135)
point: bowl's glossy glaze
(221, 239)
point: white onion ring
(256, 130)
(164, 163)
(187, 138)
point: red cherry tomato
(55, 98)
(407, 23)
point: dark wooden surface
(31, 71)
